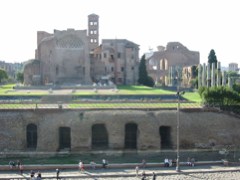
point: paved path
(199, 172)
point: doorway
(131, 136)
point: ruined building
(166, 64)
(75, 57)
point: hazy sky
(200, 25)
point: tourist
(188, 161)
(18, 163)
(137, 170)
(104, 163)
(154, 177)
(39, 176)
(143, 175)
(166, 162)
(10, 164)
(170, 162)
(174, 162)
(192, 162)
(21, 168)
(81, 166)
(143, 163)
(93, 165)
(57, 173)
(32, 174)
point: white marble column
(213, 75)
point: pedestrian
(143, 163)
(188, 161)
(81, 166)
(32, 174)
(166, 162)
(18, 163)
(57, 173)
(154, 177)
(170, 163)
(143, 175)
(137, 170)
(21, 168)
(10, 164)
(93, 165)
(193, 162)
(104, 163)
(39, 176)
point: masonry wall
(198, 129)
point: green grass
(133, 105)
(144, 90)
(5, 88)
(122, 90)
(102, 105)
(157, 157)
(192, 96)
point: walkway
(207, 170)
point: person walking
(21, 168)
(18, 163)
(143, 163)
(81, 166)
(104, 163)
(154, 176)
(57, 173)
(144, 175)
(39, 176)
(93, 165)
(32, 174)
(137, 170)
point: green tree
(232, 74)
(236, 87)
(194, 71)
(3, 75)
(20, 77)
(142, 71)
(212, 58)
(144, 79)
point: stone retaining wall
(198, 129)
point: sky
(200, 25)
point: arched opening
(131, 136)
(163, 64)
(31, 136)
(165, 134)
(99, 137)
(64, 138)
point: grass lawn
(130, 157)
(131, 90)
(142, 90)
(101, 105)
(192, 96)
(122, 90)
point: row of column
(209, 76)
(174, 74)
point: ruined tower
(93, 31)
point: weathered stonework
(174, 55)
(198, 129)
(75, 57)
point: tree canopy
(3, 75)
(144, 79)
(212, 58)
(20, 77)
